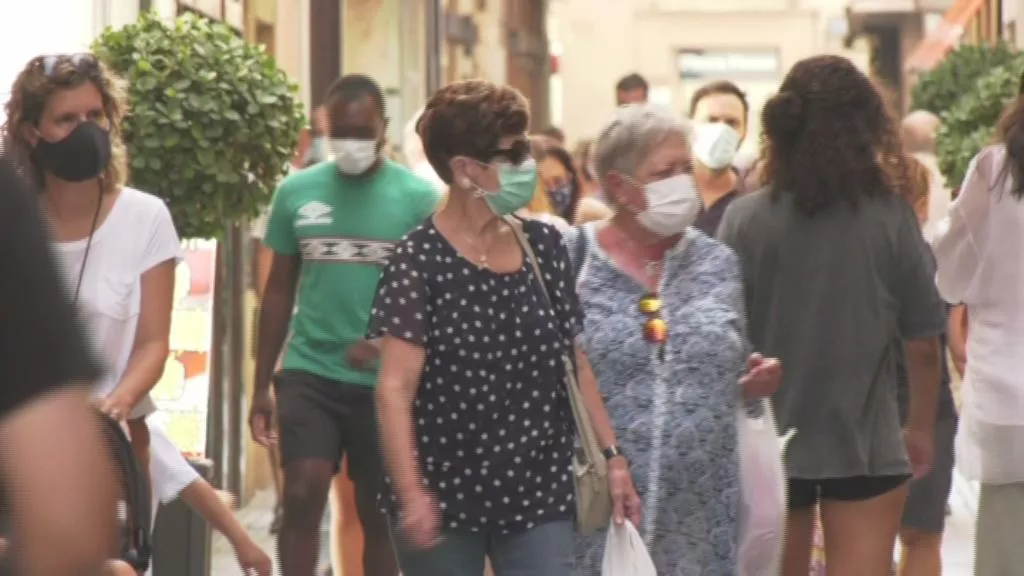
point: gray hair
(633, 132)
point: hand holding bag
(593, 494)
(625, 553)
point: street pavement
(957, 546)
(256, 517)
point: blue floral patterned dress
(676, 418)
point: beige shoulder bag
(593, 495)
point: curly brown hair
(42, 77)
(829, 137)
(469, 118)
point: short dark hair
(719, 87)
(468, 118)
(632, 82)
(352, 87)
(554, 132)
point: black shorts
(925, 509)
(321, 419)
(805, 493)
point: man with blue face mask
(719, 111)
(331, 227)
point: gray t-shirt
(828, 295)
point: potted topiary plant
(213, 123)
(969, 125)
(939, 89)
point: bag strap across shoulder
(528, 253)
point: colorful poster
(182, 394)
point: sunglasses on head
(83, 63)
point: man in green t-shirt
(331, 227)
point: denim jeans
(544, 550)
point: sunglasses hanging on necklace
(655, 327)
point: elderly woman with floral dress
(666, 335)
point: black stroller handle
(137, 548)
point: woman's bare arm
(152, 336)
(401, 366)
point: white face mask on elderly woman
(672, 205)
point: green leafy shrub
(969, 125)
(213, 121)
(938, 90)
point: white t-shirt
(137, 235)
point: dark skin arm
(275, 313)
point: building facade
(679, 45)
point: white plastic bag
(625, 553)
(763, 484)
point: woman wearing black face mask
(117, 245)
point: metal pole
(435, 33)
(235, 382)
(215, 400)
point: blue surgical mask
(518, 184)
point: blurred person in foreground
(59, 502)
(979, 252)
(924, 514)
(836, 270)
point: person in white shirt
(980, 253)
(117, 245)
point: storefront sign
(747, 64)
(182, 394)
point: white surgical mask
(672, 205)
(353, 157)
(715, 144)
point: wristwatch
(612, 452)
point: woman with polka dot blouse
(666, 334)
(476, 426)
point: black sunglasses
(516, 154)
(83, 63)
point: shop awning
(936, 45)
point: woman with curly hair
(118, 246)
(475, 420)
(836, 271)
